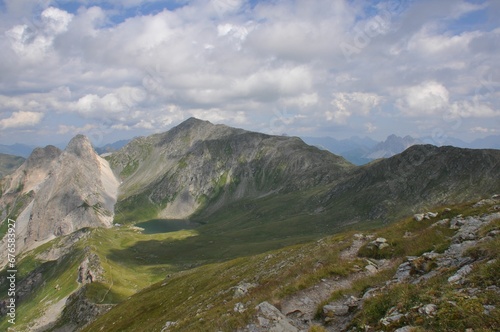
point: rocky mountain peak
(80, 146)
(192, 121)
(42, 156)
(392, 146)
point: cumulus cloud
(424, 99)
(238, 62)
(347, 104)
(21, 119)
(482, 130)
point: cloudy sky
(119, 69)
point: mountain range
(357, 150)
(78, 215)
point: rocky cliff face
(56, 193)
(197, 163)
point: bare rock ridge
(58, 193)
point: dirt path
(301, 307)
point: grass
(202, 298)
(121, 279)
(239, 244)
(457, 310)
(59, 280)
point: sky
(119, 69)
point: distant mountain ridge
(9, 163)
(392, 146)
(21, 150)
(362, 151)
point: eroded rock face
(90, 270)
(60, 192)
(80, 311)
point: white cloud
(482, 130)
(426, 98)
(370, 127)
(121, 100)
(64, 129)
(428, 43)
(21, 119)
(466, 109)
(236, 61)
(55, 20)
(347, 104)
(302, 101)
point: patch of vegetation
(59, 280)
(209, 289)
(129, 169)
(135, 209)
(182, 163)
(400, 235)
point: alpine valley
(211, 228)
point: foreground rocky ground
(452, 288)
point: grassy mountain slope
(223, 297)
(422, 176)
(199, 166)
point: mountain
(112, 147)
(489, 142)
(9, 163)
(420, 177)
(198, 165)
(17, 150)
(391, 146)
(262, 217)
(55, 193)
(341, 146)
(352, 149)
(361, 151)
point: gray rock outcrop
(58, 193)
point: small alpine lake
(156, 226)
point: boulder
(392, 319)
(383, 245)
(271, 319)
(242, 289)
(371, 269)
(457, 277)
(239, 307)
(335, 310)
(418, 217)
(428, 310)
(405, 329)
